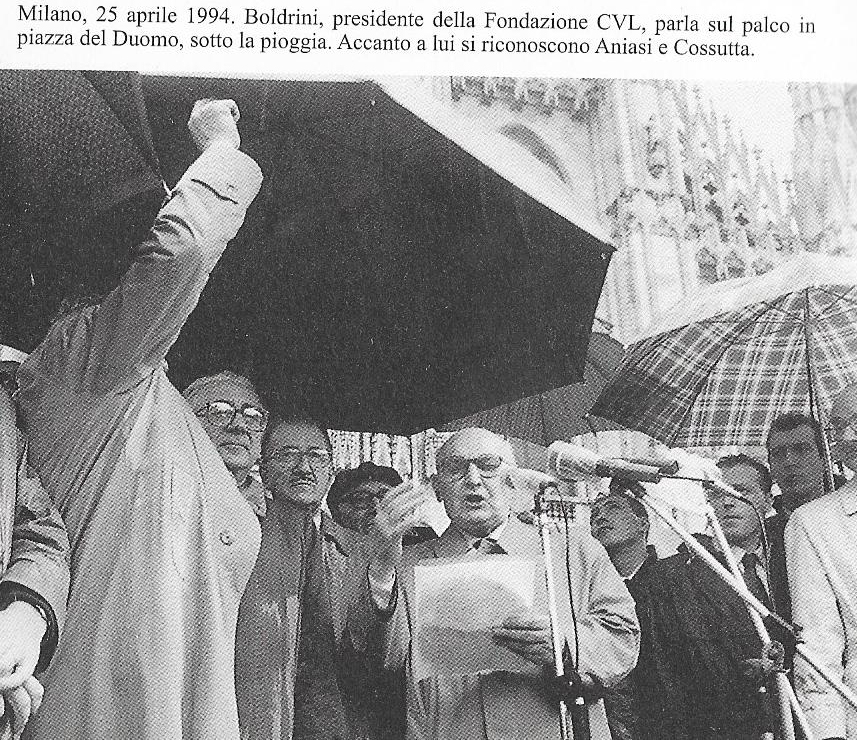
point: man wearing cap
(476, 481)
(34, 574)
(162, 540)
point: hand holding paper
(459, 604)
(527, 634)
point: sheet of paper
(457, 604)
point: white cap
(10, 354)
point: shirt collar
(495, 535)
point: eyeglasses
(457, 467)
(223, 414)
(318, 457)
(797, 449)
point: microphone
(570, 462)
(533, 479)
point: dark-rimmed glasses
(457, 467)
(223, 414)
(318, 457)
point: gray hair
(227, 375)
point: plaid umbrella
(723, 363)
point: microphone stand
(557, 633)
(736, 583)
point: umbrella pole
(811, 381)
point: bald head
(474, 480)
(477, 436)
(843, 422)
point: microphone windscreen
(571, 462)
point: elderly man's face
(843, 423)
(615, 524)
(795, 463)
(297, 464)
(739, 520)
(473, 481)
(237, 436)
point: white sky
(763, 111)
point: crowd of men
(187, 565)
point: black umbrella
(79, 177)
(386, 278)
(560, 413)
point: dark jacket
(689, 682)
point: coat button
(226, 538)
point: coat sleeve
(382, 636)
(815, 608)
(135, 325)
(607, 628)
(38, 570)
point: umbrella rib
(769, 306)
(839, 297)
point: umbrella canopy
(724, 362)
(559, 413)
(386, 279)
(80, 180)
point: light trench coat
(503, 705)
(162, 541)
(821, 556)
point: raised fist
(214, 121)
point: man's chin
(235, 457)
(303, 496)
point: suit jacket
(701, 633)
(503, 705)
(822, 566)
(162, 542)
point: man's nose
(239, 422)
(473, 476)
(303, 462)
(790, 457)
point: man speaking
(476, 483)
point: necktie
(751, 578)
(487, 546)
